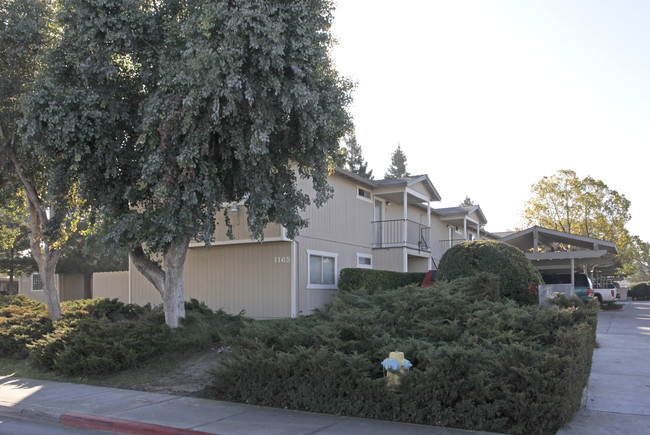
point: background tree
(467, 202)
(397, 168)
(354, 157)
(85, 254)
(167, 111)
(15, 259)
(584, 207)
(26, 30)
(642, 272)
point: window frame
(322, 254)
(362, 197)
(36, 275)
(360, 265)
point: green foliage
(519, 280)
(14, 235)
(354, 157)
(586, 207)
(397, 168)
(639, 291)
(478, 364)
(371, 280)
(166, 111)
(22, 320)
(101, 336)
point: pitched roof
(460, 211)
(397, 182)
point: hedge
(372, 280)
(100, 336)
(519, 279)
(639, 291)
(478, 364)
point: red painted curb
(122, 426)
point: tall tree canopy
(586, 207)
(14, 235)
(397, 168)
(354, 157)
(26, 31)
(168, 110)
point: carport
(553, 251)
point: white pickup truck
(606, 292)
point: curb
(122, 426)
(34, 414)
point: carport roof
(552, 250)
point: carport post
(573, 279)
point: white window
(37, 282)
(364, 194)
(364, 261)
(322, 270)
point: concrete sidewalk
(617, 400)
(134, 412)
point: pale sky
(489, 96)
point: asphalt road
(13, 426)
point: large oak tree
(167, 110)
(586, 207)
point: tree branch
(149, 268)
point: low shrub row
(356, 279)
(479, 363)
(639, 291)
(101, 336)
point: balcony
(446, 244)
(400, 233)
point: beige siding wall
(239, 222)
(251, 277)
(25, 288)
(389, 259)
(111, 285)
(70, 287)
(254, 277)
(439, 231)
(344, 218)
(346, 257)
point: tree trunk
(168, 282)
(46, 259)
(48, 275)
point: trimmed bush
(22, 320)
(371, 280)
(101, 336)
(479, 364)
(519, 280)
(639, 291)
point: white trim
(336, 274)
(366, 256)
(363, 198)
(31, 283)
(294, 279)
(130, 281)
(417, 194)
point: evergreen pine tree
(467, 202)
(354, 158)
(397, 168)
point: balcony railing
(390, 234)
(446, 244)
